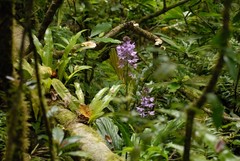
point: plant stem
(126, 82)
(225, 34)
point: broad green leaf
(48, 49)
(109, 132)
(62, 67)
(114, 61)
(71, 44)
(236, 18)
(168, 130)
(69, 141)
(100, 28)
(173, 87)
(60, 14)
(28, 68)
(78, 69)
(99, 102)
(232, 67)
(79, 93)
(107, 40)
(217, 109)
(126, 133)
(58, 135)
(97, 99)
(175, 13)
(66, 96)
(38, 46)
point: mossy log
(90, 141)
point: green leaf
(79, 93)
(71, 44)
(66, 96)
(232, 67)
(97, 99)
(99, 28)
(125, 131)
(217, 109)
(173, 87)
(70, 141)
(236, 18)
(107, 40)
(38, 46)
(48, 49)
(28, 68)
(99, 102)
(173, 44)
(78, 69)
(62, 67)
(109, 132)
(58, 135)
(175, 13)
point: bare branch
(49, 17)
(165, 9)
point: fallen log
(90, 141)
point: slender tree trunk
(6, 23)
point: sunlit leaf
(58, 134)
(109, 132)
(71, 44)
(78, 69)
(38, 46)
(70, 140)
(79, 92)
(99, 28)
(48, 49)
(217, 109)
(64, 93)
(100, 101)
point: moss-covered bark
(90, 142)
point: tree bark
(90, 141)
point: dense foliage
(136, 72)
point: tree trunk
(6, 23)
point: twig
(49, 17)
(164, 4)
(164, 10)
(40, 95)
(209, 88)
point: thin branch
(164, 10)
(164, 4)
(210, 87)
(49, 17)
(40, 95)
(133, 26)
